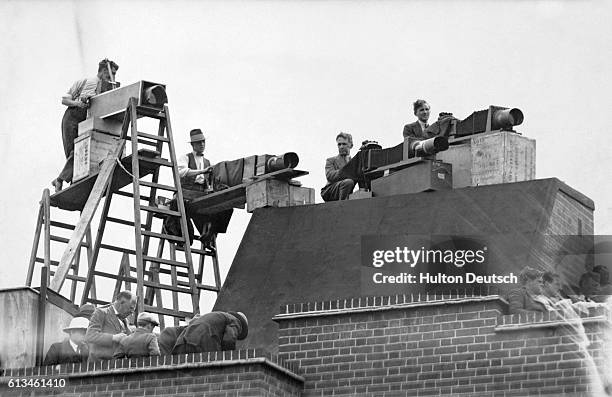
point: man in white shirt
(77, 100)
(195, 172)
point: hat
(244, 324)
(86, 310)
(196, 135)
(148, 317)
(77, 323)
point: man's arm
(331, 172)
(153, 346)
(185, 171)
(72, 97)
(94, 332)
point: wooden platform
(235, 196)
(74, 197)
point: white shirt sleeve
(183, 165)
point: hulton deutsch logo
(416, 263)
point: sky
(271, 77)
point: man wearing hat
(192, 169)
(211, 332)
(142, 342)
(73, 349)
(77, 101)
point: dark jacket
(213, 331)
(167, 339)
(414, 130)
(103, 324)
(140, 343)
(63, 353)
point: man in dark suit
(73, 349)
(108, 326)
(417, 129)
(338, 188)
(211, 332)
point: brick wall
(434, 345)
(222, 374)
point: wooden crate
(109, 126)
(90, 149)
(277, 193)
(425, 175)
(490, 158)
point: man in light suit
(73, 349)
(338, 188)
(417, 129)
(108, 326)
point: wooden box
(260, 167)
(421, 176)
(490, 158)
(90, 149)
(249, 168)
(277, 193)
(109, 126)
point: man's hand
(119, 337)
(81, 104)
(207, 170)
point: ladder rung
(158, 186)
(166, 287)
(62, 225)
(96, 301)
(131, 195)
(148, 112)
(71, 277)
(162, 235)
(65, 240)
(147, 142)
(118, 249)
(166, 261)
(115, 276)
(153, 137)
(123, 222)
(54, 263)
(168, 271)
(199, 286)
(167, 312)
(197, 251)
(163, 162)
(159, 210)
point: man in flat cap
(142, 342)
(213, 331)
(73, 349)
(108, 326)
(77, 101)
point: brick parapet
(457, 345)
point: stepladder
(126, 251)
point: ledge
(158, 363)
(382, 303)
(552, 319)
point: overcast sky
(271, 77)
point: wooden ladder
(184, 280)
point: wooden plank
(34, 250)
(158, 186)
(163, 235)
(74, 197)
(159, 210)
(104, 177)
